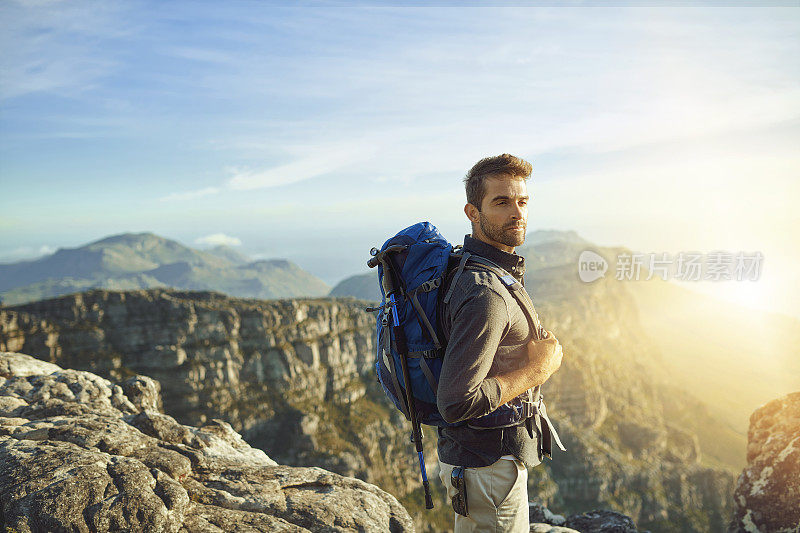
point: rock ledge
(79, 453)
(767, 496)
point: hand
(541, 359)
(544, 355)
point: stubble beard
(502, 234)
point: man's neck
(500, 246)
(513, 263)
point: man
(491, 357)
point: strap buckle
(429, 285)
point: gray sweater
(486, 331)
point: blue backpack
(413, 271)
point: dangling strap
(424, 319)
(548, 431)
(423, 365)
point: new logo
(591, 266)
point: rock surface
(540, 513)
(295, 378)
(601, 522)
(78, 453)
(548, 528)
(767, 495)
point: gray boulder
(77, 453)
(767, 495)
(602, 521)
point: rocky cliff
(78, 453)
(295, 378)
(767, 497)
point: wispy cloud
(26, 252)
(217, 239)
(310, 162)
(49, 46)
(189, 195)
(315, 163)
(584, 81)
(203, 55)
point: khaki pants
(497, 497)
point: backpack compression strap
(421, 316)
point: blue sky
(315, 132)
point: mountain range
(732, 358)
(145, 260)
(652, 399)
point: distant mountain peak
(224, 251)
(554, 235)
(130, 237)
(271, 263)
(143, 260)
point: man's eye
(501, 202)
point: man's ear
(472, 212)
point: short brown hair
(505, 165)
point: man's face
(503, 217)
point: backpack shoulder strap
(461, 265)
(516, 289)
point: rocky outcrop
(221, 356)
(767, 496)
(295, 378)
(601, 522)
(540, 514)
(598, 521)
(78, 453)
(549, 528)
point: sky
(315, 131)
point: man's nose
(519, 211)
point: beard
(503, 234)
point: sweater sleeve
(479, 322)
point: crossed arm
(479, 323)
